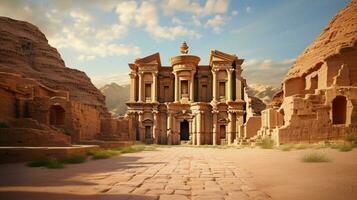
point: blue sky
(102, 37)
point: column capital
(215, 111)
(230, 70)
(140, 73)
(132, 75)
(140, 112)
(155, 73)
(214, 70)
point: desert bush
(49, 162)
(345, 147)
(103, 154)
(266, 143)
(286, 147)
(351, 137)
(301, 146)
(74, 159)
(315, 157)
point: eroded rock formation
(44, 103)
(319, 97)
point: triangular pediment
(220, 56)
(153, 59)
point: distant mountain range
(117, 95)
(263, 92)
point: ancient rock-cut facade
(187, 102)
(44, 103)
(319, 97)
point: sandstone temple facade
(187, 102)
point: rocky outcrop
(24, 50)
(340, 33)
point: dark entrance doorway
(184, 130)
(57, 115)
(339, 107)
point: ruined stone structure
(44, 103)
(187, 102)
(319, 97)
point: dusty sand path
(188, 173)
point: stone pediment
(153, 59)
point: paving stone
(173, 197)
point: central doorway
(184, 130)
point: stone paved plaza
(181, 173)
(165, 173)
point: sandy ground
(189, 173)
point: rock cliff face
(341, 32)
(24, 49)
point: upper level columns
(192, 89)
(141, 82)
(132, 87)
(229, 85)
(154, 87)
(214, 85)
(176, 87)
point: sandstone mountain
(24, 50)
(340, 33)
(116, 97)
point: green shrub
(267, 143)
(74, 159)
(4, 125)
(301, 146)
(286, 147)
(103, 154)
(315, 157)
(345, 147)
(49, 162)
(351, 137)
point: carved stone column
(169, 128)
(141, 127)
(229, 85)
(132, 87)
(141, 86)
(192, 91)
(238, 86)
(199, 128)
(194, 122)
(154, 87)
(229, 127)
(214, 134)
(155, 127)
(214, 85)
(176, 87)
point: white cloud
(235, 13)
(146, 15)
(215, 23)
(191, 6)
(266, 71)
(248, 9)
(120, 79)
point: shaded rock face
(340, 33)
(116, 97)
(24, 50)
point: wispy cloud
(266, 71)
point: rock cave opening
(339, 110)
(57, 115)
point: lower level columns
(229, 127)
(214, 131)
(169, 129)
(200, 122)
